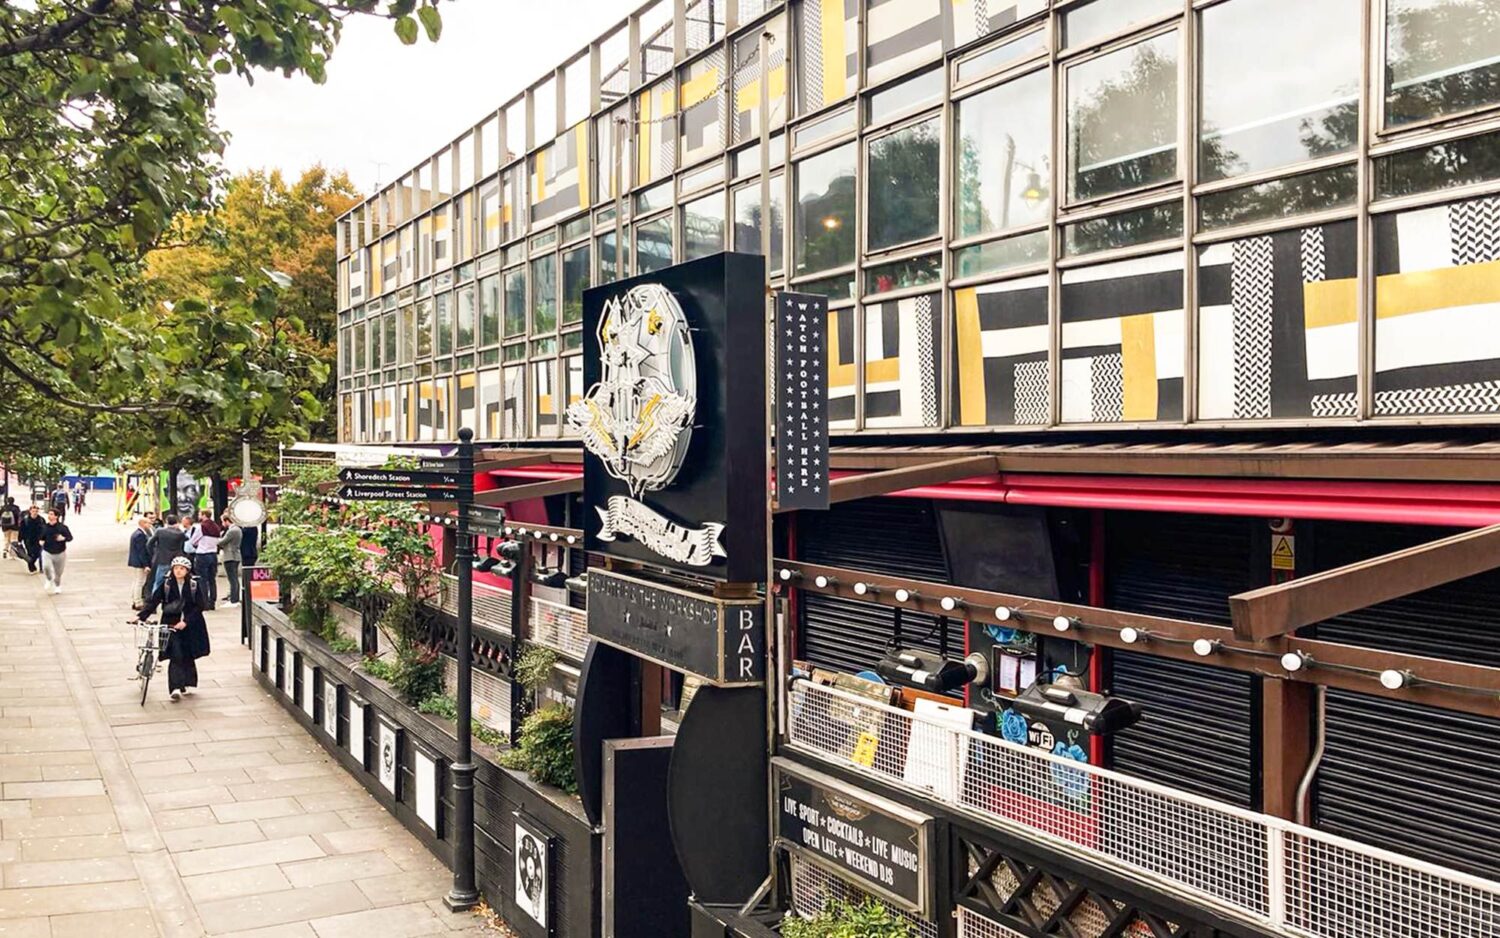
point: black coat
(191, 642)
(168, 544)
(31, 528)
(140, 553)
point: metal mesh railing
(290, 464)
(1299, 881)
(813, 887)
(490, 697)
(491, 603)
(561, 628)
(973, 925)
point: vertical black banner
(801, 400)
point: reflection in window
(1305, 107)
(653, 245)
(903, 185)
(489, 310)
(544, 293)
(513, 408)
(375, 347)
(609, 270)
(1279, 198)
(465, 316)
(1442, 57)
(1004, 156)
(424, 328)
(824, 232)
(1440, 166)
(747, 213)
(359, 347)
(703, 227)
(544, 392)
(840, 287)
(1107, 17)
(1125, 229)
(443, 320)
(515, 302)
(390, 338)
(1122, 119)
(408, 334)
(902, 275)
(575, 280)
(908, 95)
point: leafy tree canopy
(106, 138)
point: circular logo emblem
(529, 867)
(247, 512)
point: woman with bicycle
(180, 599)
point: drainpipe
(1304, 787)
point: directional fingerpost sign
(401, 477)
(396, 493)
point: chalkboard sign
(720, 640)
(882, 847)
(801, 400)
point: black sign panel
(719, 640)
(882, 847)
(397, 477)
(801, 400)
(673, 418)
(396, 493)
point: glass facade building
(1026, 215)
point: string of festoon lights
(1291, 662)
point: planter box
(367, 710)
(349, 621)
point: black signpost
(801, 383)
(465, 892)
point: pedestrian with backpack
(10, 524)
(55, 539)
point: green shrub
(380, 668)
(545, 748)
(418, 674)
(343, 645)
(444, 706)
(867, 919)
(534, 666)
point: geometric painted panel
(1001, 342)
(900, 35)
(828, 51)
(1123, 341)
(1277, 325)
(842, 387)
(1437, 310)
(902, 340)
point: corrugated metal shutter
(1410, 778)
(1198, 733)
(896, 536)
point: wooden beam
(517, 493)
(492, 459)
(1285, 607)
(1449, 685)
(1286, 743)
(872, 484)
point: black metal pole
(464, 895)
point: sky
(386, 106)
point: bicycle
(151, 639)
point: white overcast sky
(385, 103)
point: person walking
(167, 544)
(139, 560)
(78, 492)
(55, 538)
(60, 500)
(10, 524)
(203, 542)
(230, 557)
(31, 530)
(180, 599)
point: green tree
(106, 136)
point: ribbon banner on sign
(629, 518)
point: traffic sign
(398, 477)
(397, 493)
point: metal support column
(464, 895)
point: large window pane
(609, 270)
(653, 244)
(824, 234)
(359, 347)
(443, 319)
(1122, 119)
(1107, 17)
(465, 316)
(1440, 166)
(703, 227)
(1004, 156)
(1305, 107)
(489, 310)
(747, 215)
(390, 338)
(515, 302)
(424, 328)
(1442, 57)
(408, 334)
(575, 280)
(544, 294)
(1279, 198)
(903, 185)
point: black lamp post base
(461, 902)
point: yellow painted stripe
(747, 101)
(581, 143)
(1425, 290)
(971, 402)
(544, 403)
(1138, 352)
(644, 149)
(1330, 303)
(697, 90)
(834, 53)
(883, 369)
(539, 176)
(465, 382)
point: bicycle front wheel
(147, 667)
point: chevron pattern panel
(1108, 373)
(1032, 392)
(1474, 230)
(1252, 294)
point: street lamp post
(465, 894)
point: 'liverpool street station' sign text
(720, 640)
(882, 847)
(801, 364)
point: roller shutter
(1198, 733)
(895, 536)
(1410, 778)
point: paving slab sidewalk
(216, 815)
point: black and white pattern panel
(1277, 325)
(1437, 310)
(1001, 343)
(901, 362)
(975, 19)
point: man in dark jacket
(32, 527)
(139, 559)
(10, 524)
(167, 545)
